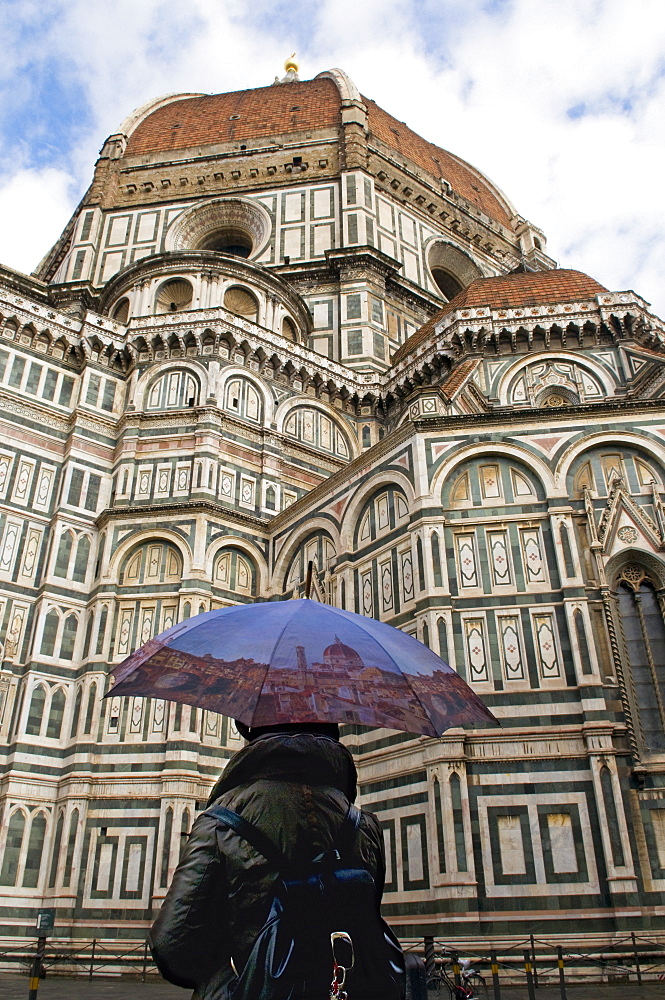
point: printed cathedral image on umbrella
(301, 661)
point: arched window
(236, 572)
(451, 269)
(184, 831)
(440, 839)
(443, 638)
(612, 817)
(13, 847)
(187, 611)
(458, 822)
(55, 857)
(173, 391)
(90, 710)
(81, 561)
(379, 515)
(50, 632)
(583, 645)
(271, 499)
(68, 640)
(318, 549)
(100, 553)
(421, 562)
(153, 562)
(101, 632)
(644, 633)
(318, 430)
(567, 551)
(491, 482)
(242, 398)
(56, 714)
(71, 846)
(177, 718)
(436, 559)
(166, 848)
(64, 554)
(88, 635)
(74, 728)
(554, 382)
(601, 467)
(33, 857)
(36, 711)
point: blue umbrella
(301, 661)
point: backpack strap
(257, 838)
(265, 846)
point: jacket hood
(303, 758)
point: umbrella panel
(306, 662)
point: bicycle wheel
(477, 983)
(434, 985)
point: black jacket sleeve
(189, 938)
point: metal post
(454, 957)
(145, 959)
(430, 956)
(495, 976)
(528, 968)
(562, 973)
(92, 959)
(637, 958)
(36, 970)
(533, 961)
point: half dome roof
(511, 291)
(294, 107)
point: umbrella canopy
(301, 661)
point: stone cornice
(180, 509)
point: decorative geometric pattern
(546, 646)
(466, 560)
(510, 644)
(497, 544)
(476, 650)
(532, 555)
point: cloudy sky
(560, 102)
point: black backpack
(292, 956)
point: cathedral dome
(512, 291)
(339, 654)
(181, 122)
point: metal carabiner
(337, 991)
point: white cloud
(35, 206)
(493, 83)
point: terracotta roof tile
(244, 114)
(459, 375)
(463, 179)
(510, 291)
(275, 110)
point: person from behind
(280, 858)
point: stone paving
(15, 987)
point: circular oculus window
(233, 226)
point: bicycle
(470, 980)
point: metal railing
(95, 959)
(533, 963)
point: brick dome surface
(294, 107)
(511, 291)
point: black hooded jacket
(297, 790)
